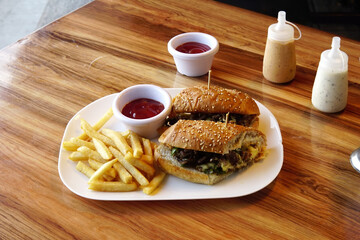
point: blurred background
(339, 17)
(19, 18)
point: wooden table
(106, 46)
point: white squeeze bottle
(279, 64)
(330, 90)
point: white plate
(253, 179)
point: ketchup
(193, 47)
(142, 108)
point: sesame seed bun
(210, 136)
(214, 100)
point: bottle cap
(334, 58)
(281, 31)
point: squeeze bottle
(330, 89)
(279, 64)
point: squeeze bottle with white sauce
(330, 90)
(279, 65)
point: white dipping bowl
(193, 65)
(147, 127)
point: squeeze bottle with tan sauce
(279, 65)
(330, 89)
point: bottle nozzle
(281, 20)
(335, 47)
(282, 17)
(335, 43)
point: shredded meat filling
(213, 162)
(244, 120)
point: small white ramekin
(193, 65)
(148, 127)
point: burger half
(213, 103)
(207, 152)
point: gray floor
(18, 18)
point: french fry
(100, 172)
(119, 140)
(116, 161)
(149, 159)
(112, 186)
(125, 133)
(105, 118)
(74, 143)
(153, 146)
(128, 156)
(91, 132)
(94, 164)
(78, 156)
(154, 183)
(69, 146)
(79, 143)
(147, 146)
(85, 169)
(124, 175)
(91, 154)
(102, 149)
(148, 156)
(135, 144)
(132, 170)
(149, 170)
(109, 175)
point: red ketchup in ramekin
(193, 47)
(142, 108)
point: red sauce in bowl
(142, 108)
(193, 47)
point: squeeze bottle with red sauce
(279, 64)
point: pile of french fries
(114, 161)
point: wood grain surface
(106, 46)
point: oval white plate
(253, 179)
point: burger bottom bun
(170, 165)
